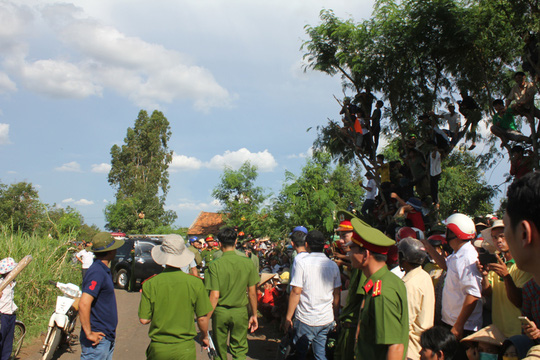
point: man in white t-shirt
(315, 294)
(454, 121)
(371, 189)
(85, 257)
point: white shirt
(7, 305)
(318, 276)
(187, 269)
(435, 163)
(462, 278)
(371, 194)
(398, 272)
(299, 256)
(453, 122)
(87, 258)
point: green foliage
(241, 199)
(63, 221)
(462, 187)
(53, 260)
(312, 198)
(418, 54)
(20, 207)
(139, 173)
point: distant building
(207, 223)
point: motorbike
(63, 319)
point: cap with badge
(103, 241)
(370, 238)
(345, 225)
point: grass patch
(53, 260)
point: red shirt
(416, 219)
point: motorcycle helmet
(462, 226)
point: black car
(133, 262)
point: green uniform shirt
(170, 299)
(384, 319)
(231, 275)
(506, 121)
(254, 258)
(351, 310)
(208, 255)
(198, 257)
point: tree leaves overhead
(139, 173)
(418, 53)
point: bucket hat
(7, 265)
(103, 241)
(172, 252)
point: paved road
(132, 337)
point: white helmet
(462, 226)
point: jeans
(314, 335)
(102, 351)
(6, 335)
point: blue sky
(227, 74)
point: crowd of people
(425, 145)
(460, 290)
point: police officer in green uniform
(208, 253)
(245, 253)
(172, 331)
(348, 318)
(227, 279)
(384, 318)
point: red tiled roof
(206, 223)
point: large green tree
(241, 200)
(416, 55)
(139, 173)
(312, 198)
(20, 207)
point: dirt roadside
(132, 337)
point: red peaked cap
(375, 248)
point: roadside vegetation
(52, 260)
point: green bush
(52, 260)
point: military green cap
(103, 241)
(370, 238)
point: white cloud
(4, 134)
(6, 85)
(185, 204)
(102, 168)
(69, 167)
(100, 58)
(57, 78)
(183, 162)
(14, 20)
(12, 172)
(81, 202)
(105, 201)
(264, 160)
(308, 153)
